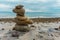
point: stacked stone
(21, 21)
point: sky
(31, 5)
(49, 6)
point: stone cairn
(21, 21)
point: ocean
(30, 14)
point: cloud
(33, 1)
(57, 3)
(4, 6)
(13, 0)
(28, 1)
(42, 0)
(29, 10)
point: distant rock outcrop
(21, 21)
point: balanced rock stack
(21, 21)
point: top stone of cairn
(19, 10)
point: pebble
(2, 29)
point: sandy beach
(42, 31)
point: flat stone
(21, 28)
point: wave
(28, 17)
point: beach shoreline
(34, 19)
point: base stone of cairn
(21, 21)
(21, 28)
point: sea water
(29, 14)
